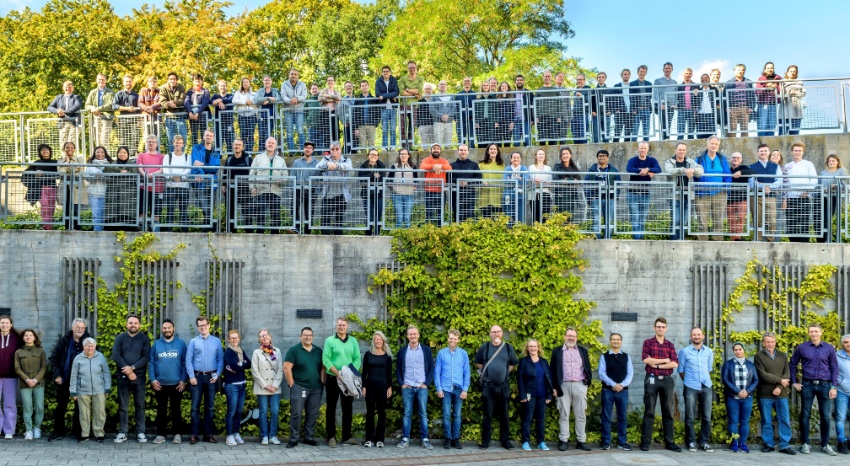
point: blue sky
(614, 35)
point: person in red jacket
(435, 168)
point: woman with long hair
(267, 369)
(246, 113)
(536, 391)
(31, 367)
(40, 180)
(541, 175)
(567, 198)
(403, 175)
(492, 169)
(74, 194)
(377, 388)
(96, 185)
(373, 199)
(235, 365)
(831, 188)
(10, 341)
(793, 104)
(739, 382)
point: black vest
(770, 169)
(616, 366)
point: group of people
(407, 106)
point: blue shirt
(414, 366)
(603, 372)
(204, 355)
(696, 365)
(452, 370)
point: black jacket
(60, 359)
(527, 378)
(557, 363)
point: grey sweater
(90, 376)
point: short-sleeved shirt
(497, 371)
(653, 349)
(306, 366)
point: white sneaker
(120, 438)
(142, 438)
(238, 439)
(9, 437)
(177, 439)
(264, 441)
(379, 445)
(159, 439)
(28, 435)
(368, 444)
(36, 433)
(230, 441)
(275, 440)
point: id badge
(303, 393)
(652, 380)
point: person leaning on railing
(793, 104)
(122, 195)
(798, 198)
(172, 96)
(373, 198)
(246, 113)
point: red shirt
(653, 349)
(428, 164)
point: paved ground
(68, 452)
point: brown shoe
(193, 440)
(210, 439)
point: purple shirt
(819, 362)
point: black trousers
(333, 395)
(166, 397)
(495, 403)
(63, 395)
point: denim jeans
(680, 217)
(514, 210)
(407, 397)
(206, 389)
(841, 402)
(294, 119)
(809, 393)
(235, 395)
(738, 413)
(783, 418)
(519, 137)
(268, 403)
(137, 388)
(767, 120)
(452, 407)
(403, 205)
(97, 203)
(642, 120)
(698, 399)
(173, 127)
(638, 209)
(606, 216)
(534, 409)
(388, 124)
(197, 128)
(610, 399)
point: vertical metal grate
(224, 293)
(789, 276)
(710, 294)
(387, 290)
(79, 296)
(152, 296)
(842, 297)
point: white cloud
(18, 5)
(725, 67)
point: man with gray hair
(65, 350)
(570, 366)
(773, 388)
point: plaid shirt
(653, 349)
(741, 375)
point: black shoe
(483, 445)
(83, 439)
(53, 437)
(99, 439)
(581, 446)
(562, 445)
(291, 444)
(508, 445)
(842, 448)
(312, 443)
(447, 443)
(644, 446)
(767, 449)
(605, 446)
(788, 451)
(673, 447)
(456, 444)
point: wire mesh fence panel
(112, 198)
(226, 127)
(265, 202)
(692, 113)
(802, 207)
(292, 128)
(489, 199)
(435, 122)
(643, 208)
(34, 197)
(621, 117)
(187, 201)
(317, 127)
(170, 125)
(767, 108)
(337, 203)
(561, 118)
(582, 199)
(126, 130)
(371, 125)
(412, 202)
(495, 118)
(54, 132)
(10, 148)
(740, 110)
(719, 210)
(815, 106)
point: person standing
(843, 396)
(377, 388)
(415, 373)
(131, 353)
(774, 379)
(572, 375)
(167, 372)
(818, 379)
(204, 363)
(267, 369)
(696, 361)
(616, 373)
(451, 376)
(536, 389)
(495, 361)
(31, 367)
(341, 349)
(10, 341)
(659, 355)
(235, 365)
(64, 351)
(90, 382)
(305, 375)
(739, 380)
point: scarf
(269, 351)
(236, 350)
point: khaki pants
(575, 398)
(426, 135)
(366, 136)
(766, 215)
(443, 133)
(102, 131)
(712, 208)
(92, 414)
(739, 116)
(67, 133)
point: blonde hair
(540, 351)
(386, 345)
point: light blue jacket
(843, 371)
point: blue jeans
(599, 128)
(266, 403)
(607, 215)
(97, 204)
(407, 396)
(294, 119)
(514, 210)
(738, 414)
(610, 399)
(534, 409)
(403, 205)
(206, 389)
(767, 120)
(686, 118)
(642, 119)
(638, 209)
(521, 124)
(175, 126)
(698, 404)
(388, 123)
(680, 220)
(841, 402)
(783, 418)
(235, 395)
(266, 129)
(197, 128)
(452, 406)
(809, 393)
